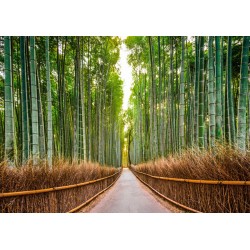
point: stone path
(128, 196)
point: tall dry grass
(39, 177)
(224, 163)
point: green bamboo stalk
(60, 97)
(89, 105)
(8, 103)
(206, 107)
(17, 107)
(176, 97)
(64, 123)
(164, 106)
(49, 103)
(224, 111)
(229, 91)
(42, 149)
(242, 101)
(211, 94)
(100, 104)
(78, 79)
(34, 107)
(153, 88)
(83, 105)
(196, 90)
(201, 96)
(24, 101)
(218, 117)
(226, 120)
(171, 101)
(182, 96)
(76, 102)
(160, 122)
(189, 105)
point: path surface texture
(128, 196)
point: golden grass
(63, 173)
(224, 163)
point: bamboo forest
(66, 138)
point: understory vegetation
(223, 164)
(42, 176)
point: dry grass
(224, 163)
(40, 177)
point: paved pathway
(128, 196)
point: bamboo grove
(188, 92)
(60, 97)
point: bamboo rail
(95, 196)
(209, 182)
(165, 197)
(46, 190)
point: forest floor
(129, 195)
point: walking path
(128, 196)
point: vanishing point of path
(128, 196)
